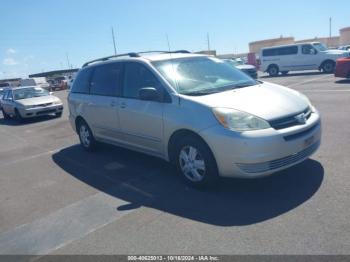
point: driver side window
(308, 50)
(137, 76)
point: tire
(328, 67)
(285, 73)
(58, 114)
(18, 116)
(273, 70)
(6, 116)
(87, 140)
(195, 162)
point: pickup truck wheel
(328, 67)
(273, 70)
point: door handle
(123, 105)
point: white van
(35, 81)
(298, 57)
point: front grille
(289, 121)
(279, 163)
(44, 105)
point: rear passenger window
(288, 50)
(138, 76)
(81, 82)
(106, 79)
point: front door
(141, 121)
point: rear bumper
(260, 153)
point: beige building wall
(345, 36)
(330, 42)
(255, 47)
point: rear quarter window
(81, 83)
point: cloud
(11, 51)
(9, 61)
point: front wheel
(18, 116)
(195, 162)
(86, 137)
(6, 116)
(328, 67)
(273, 70)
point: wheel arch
(325, 61)
(178, 134)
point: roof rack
(134, 55)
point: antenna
(113, 37)
(172, 64)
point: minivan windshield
(202, 75)
(320, 46)
(29, 92)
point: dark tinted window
(82, 82)
(137, 76)
(288, 50)
(307, 50)
(106, 79)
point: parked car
(248, 69)
(298, 57)
(58, 83)
(1, 94)
(29, 101)
(345, 47)
(35, 81)
(342, 68)
(206, 117)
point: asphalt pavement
(58, 199)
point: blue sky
(36, 35)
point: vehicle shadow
(295, 74)
(146, 181)
(343, 81)
(14, 122)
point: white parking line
(310, 80)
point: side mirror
(149, 94)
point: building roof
(55, 72)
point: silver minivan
(195, 111)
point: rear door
(141, 121)
(102, 105)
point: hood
(336, 52)
(245, 67)
(268, 101)
(38, 100)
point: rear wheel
(195, 162)
(86, 137)
(328, 67)
(285, 72)
(273, 70)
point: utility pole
(115, 49)
(208, 41)
(68, 63)
(330, 27)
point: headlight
(239, 121)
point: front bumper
(262, 152)
(41, 111)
